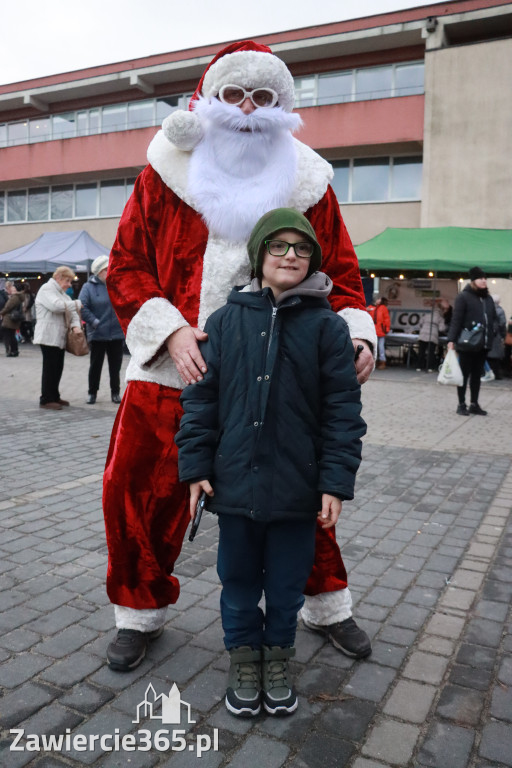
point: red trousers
(146, 506)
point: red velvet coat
(166, 270)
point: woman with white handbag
(471, 334)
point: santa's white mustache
(231, 117)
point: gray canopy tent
(52, 249)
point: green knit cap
(274, 221)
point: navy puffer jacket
(98, 312)
(276, 421)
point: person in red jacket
(181, 246)
(382, 320)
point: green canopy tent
(438, 249)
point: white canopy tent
(52, 249)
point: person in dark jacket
(273, 435)
(104, 333)
(473, 308)
(12, 316)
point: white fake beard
(236, 175)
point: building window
(340, 181)
(61, 206)
(17, 205)
(113, 118)
(406, 178)
(17, 133)
(377, 179)
(141, 114)
(409, 79)
(85, 200)
(112, 198)
(64, 126)
(38, 203)
(66, 201)
(40, 129)
(360, 84)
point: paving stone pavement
(428, 547)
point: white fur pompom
(183, 129)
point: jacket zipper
(271, 332)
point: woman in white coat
(50, 333)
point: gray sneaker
(243, 695)
(279, 698)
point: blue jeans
(255, 558)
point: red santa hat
(244, 63)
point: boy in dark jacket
(273, 435)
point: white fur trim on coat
(314, 174)
(150, 327)
(251, 69)
(145, 620)
(360, 325)
(224, 265)
(327, 608)
(183, 129)
(171, 164)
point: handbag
(470, 339)
(17, 315)
(76, 343)
(450, 371)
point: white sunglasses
(236, 95)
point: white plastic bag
(450, 372)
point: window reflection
(341, 180)
(38, 200)
(85, 200)
(377, 179)
(40, 129)
(409, 79)
(61, 202)
(17, 133)
(63, 126)
(112, 198)
(406, 178)
(141, 114)
(370, 180)
(335, 89)
(374, 83)
(17, 205)
(113, 118)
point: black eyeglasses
(303, 250)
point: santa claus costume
(180, 248)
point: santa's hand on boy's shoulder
(182, 346)
(331, 510)
(196, 490)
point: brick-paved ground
(428, 546)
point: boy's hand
(331, 509)
(196, 490)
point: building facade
(413, 109)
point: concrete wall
(467, 162)
(368, 220)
